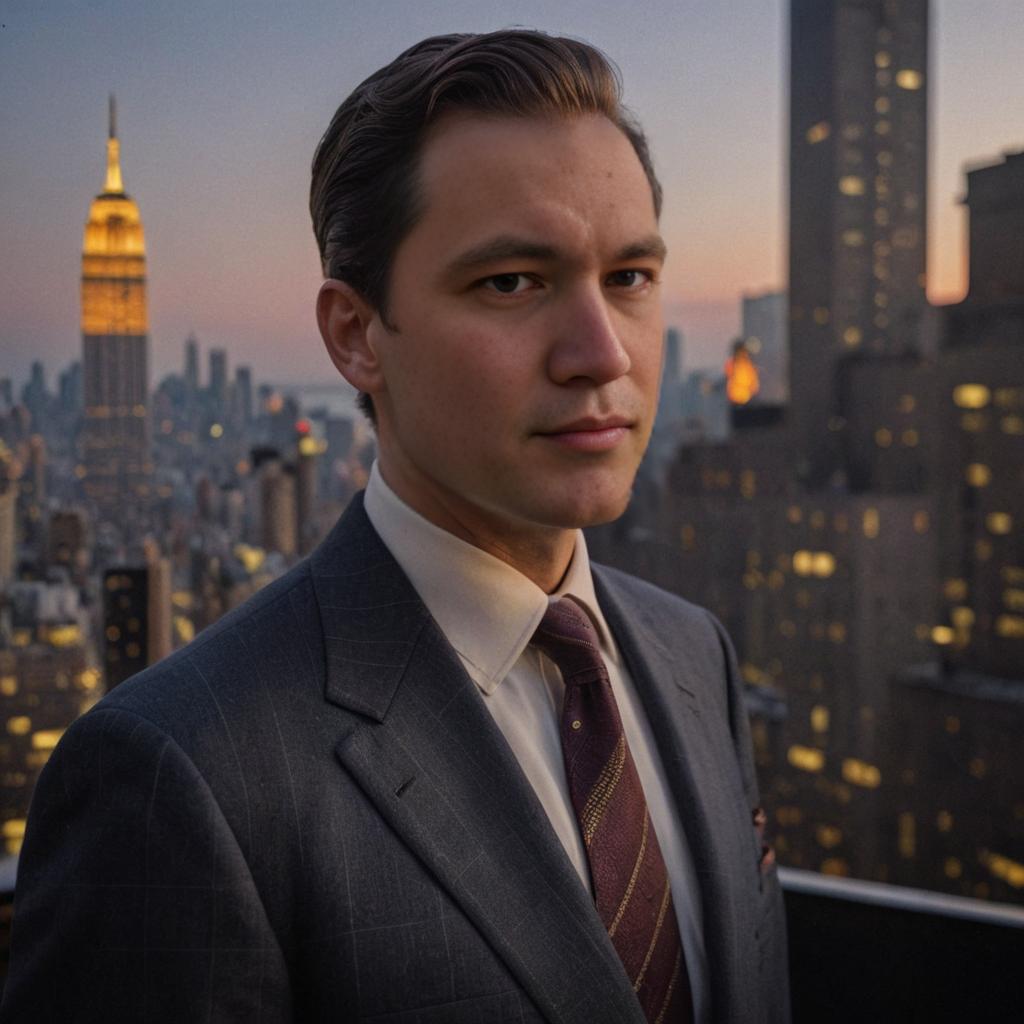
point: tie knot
(567, 636)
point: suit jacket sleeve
(133, 899)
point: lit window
(19, 725)
(819, 718)
(836, 632)
(883, 59)
(818, 132)
(802, 563)
(821, 315)
(216, 430)
(952, 724)
(944, 821)
(46, 739)
(999, 523)
(906, 832)
(942, 635)
(8, 685)
(973, 422)
(851, 185)
(883, 437)
(907, 403)
(882, 105)
(971, 396)
(829, 836)
(883, 127)
(907, 78)
(1012, 425)
(852, 336)
(871, 522)
(952, 868)
(921, 521)
(962, 616)
(1011, 627)
(1009, 398)
(1012, 598)
(881, 216)
(884, 158)
(807, 759)
(860, 773)
(823, 564)
(910, 438)
(794, 514)
(853, 238)
(982, 549)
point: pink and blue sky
(220, 106)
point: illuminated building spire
(113, 184)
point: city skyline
(231, 254)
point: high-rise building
(191, 365)
(114, 437)
(218, 382)
(8, 529)
(857, 210)
(242, 395)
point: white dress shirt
(489, 611)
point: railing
(872, 953)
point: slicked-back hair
(364, 197)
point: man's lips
(590, 434)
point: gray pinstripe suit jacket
(308, 815)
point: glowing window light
(871, 522)
(1013, 425)
(921, 521)
(819, 718)
(836, 632)
(1004, 868)
(1012, 598)
(828, 836)
(19, 725)
(851, 185)
(910, 438)
(216, 430)
(836, 867)
(952, 868)
(909, 79)
(1010, 627)
(883, 437)
(944, 821)
(907, 835)
(999, 523)
(807, 759)
(823, 564)
(942, 635)
(860, 773)
(883, 59)
(977, 474)
(962, 616)
(46, 739)
(974, 422)
(803, 562)
(14, 828)
(853, 237)
(818, 132)
(8, 685)
(971, 396)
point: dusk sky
(220, 106)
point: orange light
(743, 380)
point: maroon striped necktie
(631, 886)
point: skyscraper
(857, 211)
(114, 439)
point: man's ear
(344, 318)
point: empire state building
(114, 439)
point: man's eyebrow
(496, 250)
(651, 247)
(509, 247)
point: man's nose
(588, 345)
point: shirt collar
(487, 610)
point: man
(441, 771)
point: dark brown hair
(364, 197)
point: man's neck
(541, 554)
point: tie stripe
(632, 893)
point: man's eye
(630, 278)
(508, 284)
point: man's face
(520, 383)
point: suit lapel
(696, 747)
(424, 749)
